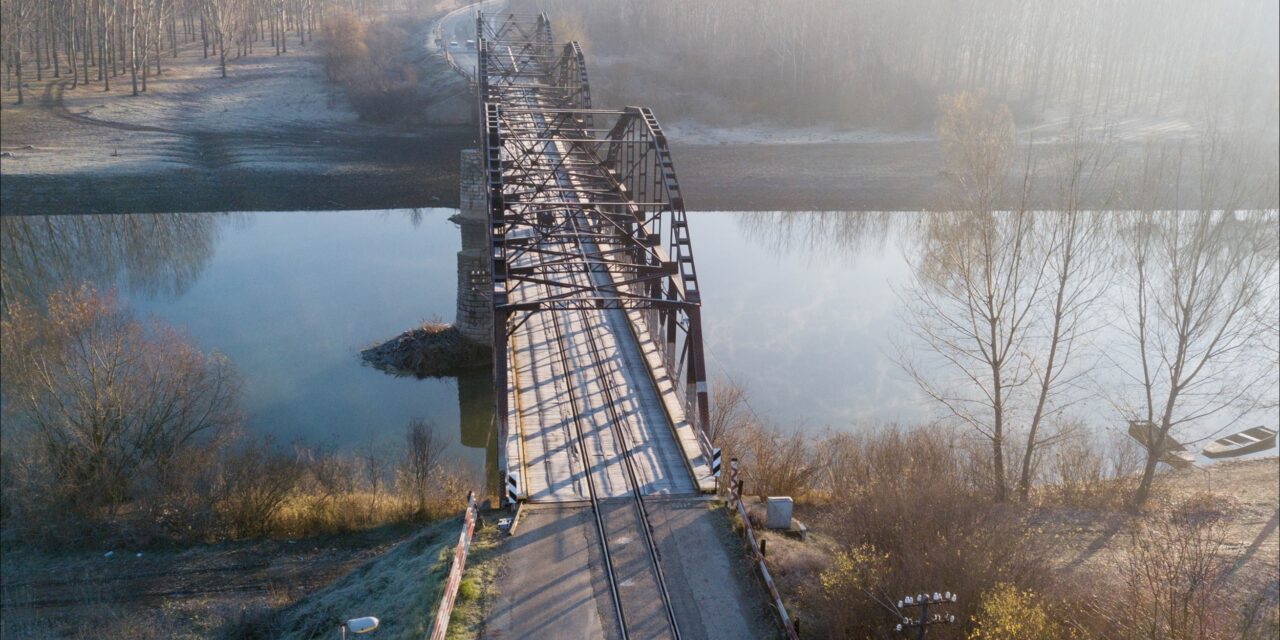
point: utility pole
(923, 620)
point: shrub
(365, 58)
(468, 590)
(844, 588)
(1177, 575)
(105, 410)
(909, 496)
(1088, 471)
(256, 482)
(1009, 613)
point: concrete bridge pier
(474, 316)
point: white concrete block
(778, 512)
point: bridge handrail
(735, 497)
(457, 565)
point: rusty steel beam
(562, 174)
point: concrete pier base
(474, 316)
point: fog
(867, 63)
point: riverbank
(193, 592)
(1217, 523)
(274, 134)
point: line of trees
(98, 40)
(1008, 305)
(865, 62)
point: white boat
(1243, 443)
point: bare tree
(977, 138)
(1198, 313)
(110, 401)
(1193, 321)
(1074, 241)
(17, 18)
(863, 63)
(729, 412)
(423, 459)
(972, 305)
(977, 282)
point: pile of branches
(435, 349)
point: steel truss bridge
(598, 349)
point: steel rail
(573, 212)
(573, 215)
(587, 469)
(587, 466)
(615, 421)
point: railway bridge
(598, 356)
(577, 247)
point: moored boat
(1248, 441)
(1172, 452)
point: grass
(303, 515)
(478, 588)
(401, 588)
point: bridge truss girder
(576, 191)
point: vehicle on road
(471, 44)
(453, 44)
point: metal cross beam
(576, 190)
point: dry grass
(895, 512)
(401, 587)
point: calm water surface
(801, 309)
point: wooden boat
(1172, 452)
(1243, 443)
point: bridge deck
(665, 451)
(581, 361)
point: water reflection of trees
(156, 254)
(823, 232)
(1017, 318)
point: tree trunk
(133, 45)
(57, 67)
(17, 60)
(1024, 481)
(39, 60)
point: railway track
(612, 520)
(633, 593)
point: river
(803, 310)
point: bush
(104, 412)
(1092, 472)
(844, 588)
(256, 482)
(365, 58)
(912, 517)
(118, 431)
(1009, 613)
(1176, 576)
(468, 590)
